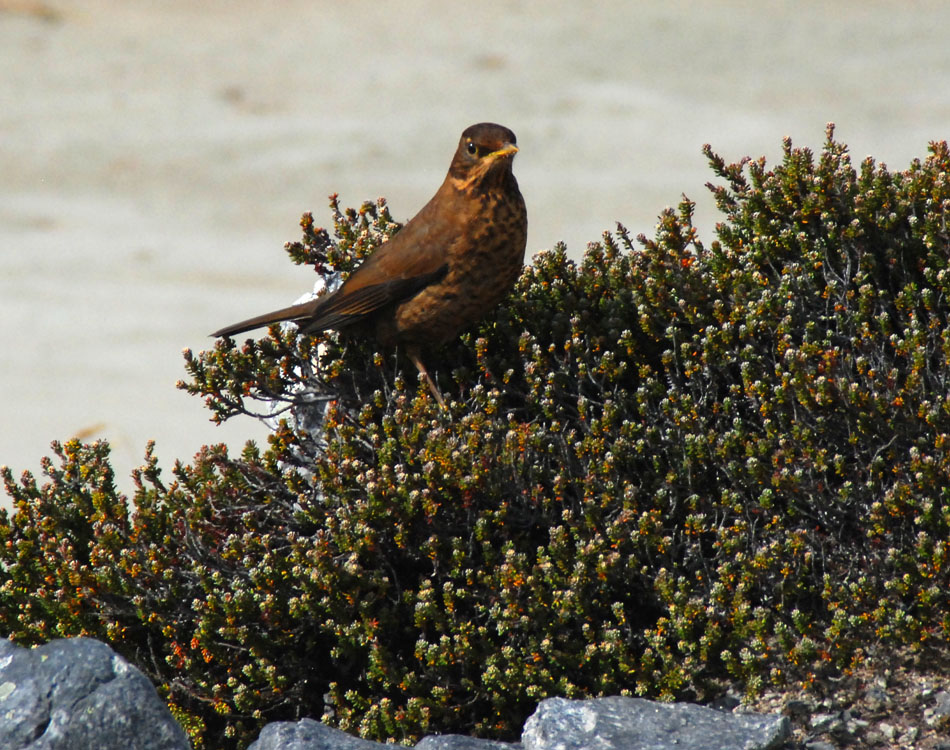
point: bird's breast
(483, 262)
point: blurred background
(154, 157)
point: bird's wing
(415, 257)
(349, 305)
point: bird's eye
(472, 148)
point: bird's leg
(433, 388)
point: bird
(444, 270)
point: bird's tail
(294, 312)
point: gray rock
(78, 693)
(909, 737)
(888, 730)
(461, 742)
(824, 722)
(308, 734)
(877, 698)
(637, 724)
(854, 726)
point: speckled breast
(481, 272)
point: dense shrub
(665, 469)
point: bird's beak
(506, 150)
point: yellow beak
(508, 148)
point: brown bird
(447, 267)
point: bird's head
(485, 152)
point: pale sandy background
(155, 156)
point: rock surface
(560, 724)
(308, 734)
(638, 724)
(79, 693)
(461, 742)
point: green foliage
(665, 468)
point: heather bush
(665, 470)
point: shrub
(665, 469)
